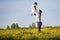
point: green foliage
(14, 26)
(33, 38)
(8, 27)
(8, 37)
(32, 25)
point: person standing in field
(38, 19)
(37, 14)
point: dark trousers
(39, 24)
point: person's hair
(40, 11)
(35, 3)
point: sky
(19, 11)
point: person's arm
(35, 8)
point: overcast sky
(19, 11)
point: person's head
(39, 11)
(35, 3)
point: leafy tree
(15, 26)
(32, 25)
(8, 27)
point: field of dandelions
(30, 34)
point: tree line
(16, 26)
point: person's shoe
(39, 31)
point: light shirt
(38, 17)
(35, 11)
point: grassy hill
(31, 34)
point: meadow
(30, 34)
